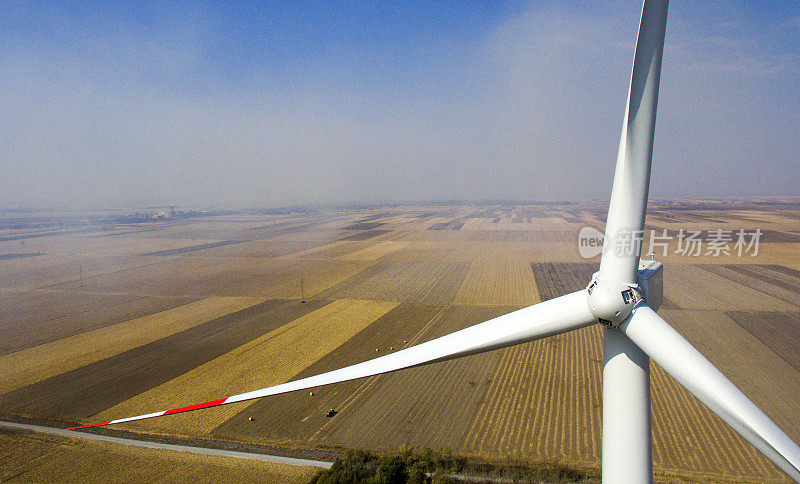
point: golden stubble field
(102, 324)
(31, 457)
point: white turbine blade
(538, 321)
(690, 368)
(626, 211)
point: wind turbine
(623, 296)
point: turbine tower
(623, 296)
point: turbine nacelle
(613, 301)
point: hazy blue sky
(273, 104)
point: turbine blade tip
(87, 426)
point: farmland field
(30, 457)
(112, 321)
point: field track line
(156, 445)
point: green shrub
(431, 467)
(355, 468)
(392, 471)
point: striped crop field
(268, 360)
(498, 283)
(105, 324)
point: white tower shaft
(627, 453)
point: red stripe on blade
(198, 406)
(87, 426)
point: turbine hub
(612, 301)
